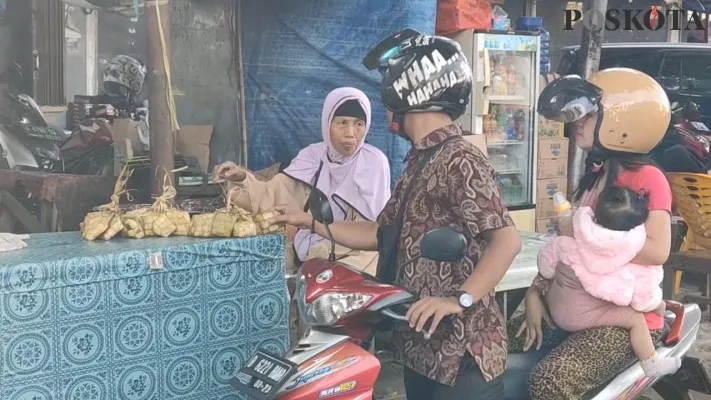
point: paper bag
(194, 141)
(130, 139)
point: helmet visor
(569, 99)
(387, 49)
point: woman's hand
(533, 323)
(230, 171)
(432, 307)
(299, 219)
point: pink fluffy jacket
(601, 259)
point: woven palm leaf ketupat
(107, 223)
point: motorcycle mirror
(319, 207)
(443, 244)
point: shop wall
(75, 53)
(204, 93)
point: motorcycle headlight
(328, 308)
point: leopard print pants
(581, 362)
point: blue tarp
(296, 51)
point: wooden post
(162, 136)
(590, 53)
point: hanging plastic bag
(458, 15)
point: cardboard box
(479, 141)
(194, 141)
(552, 148)
(546, 188)
(547, 225)
(550, 129)
(552, 168)
(546, 127)
(545, 209)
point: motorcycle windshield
(14, 152)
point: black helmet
(421, 74)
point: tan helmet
(634, 113)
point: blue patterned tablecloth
(146, 319)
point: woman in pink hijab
(354, 175)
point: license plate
(263, 375)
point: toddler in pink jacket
(600, 255)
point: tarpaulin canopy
(296, 51)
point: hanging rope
(166, 61)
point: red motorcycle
(343, 306)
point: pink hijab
(361, 181)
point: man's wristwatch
(465, 299)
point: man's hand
(432, 307)
(230, 171)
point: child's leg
(640, 338)
(641, 341)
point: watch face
(466, 300)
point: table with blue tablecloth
(154, 319)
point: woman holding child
(619, 116)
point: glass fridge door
(508, 120)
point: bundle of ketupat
(132, 224)
(225, 218)
(162, 219)
(263, 220)
(105, 224)
(233, 221)
(245, 225)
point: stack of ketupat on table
(163, 220)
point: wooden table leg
(7, 222)
(49, 215)
(20, 213)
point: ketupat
(181, 219)
(115, 227)
(107, 222)
(201, 225)
(162, 219)
(132, 228)
(263, 220)
(244, 229)
(157, 224)
(223, 223)
(95, 224)
(132, 223)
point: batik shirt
(457, 190)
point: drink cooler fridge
(505, 71)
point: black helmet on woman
(421, 73)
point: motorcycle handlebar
(449, 319)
